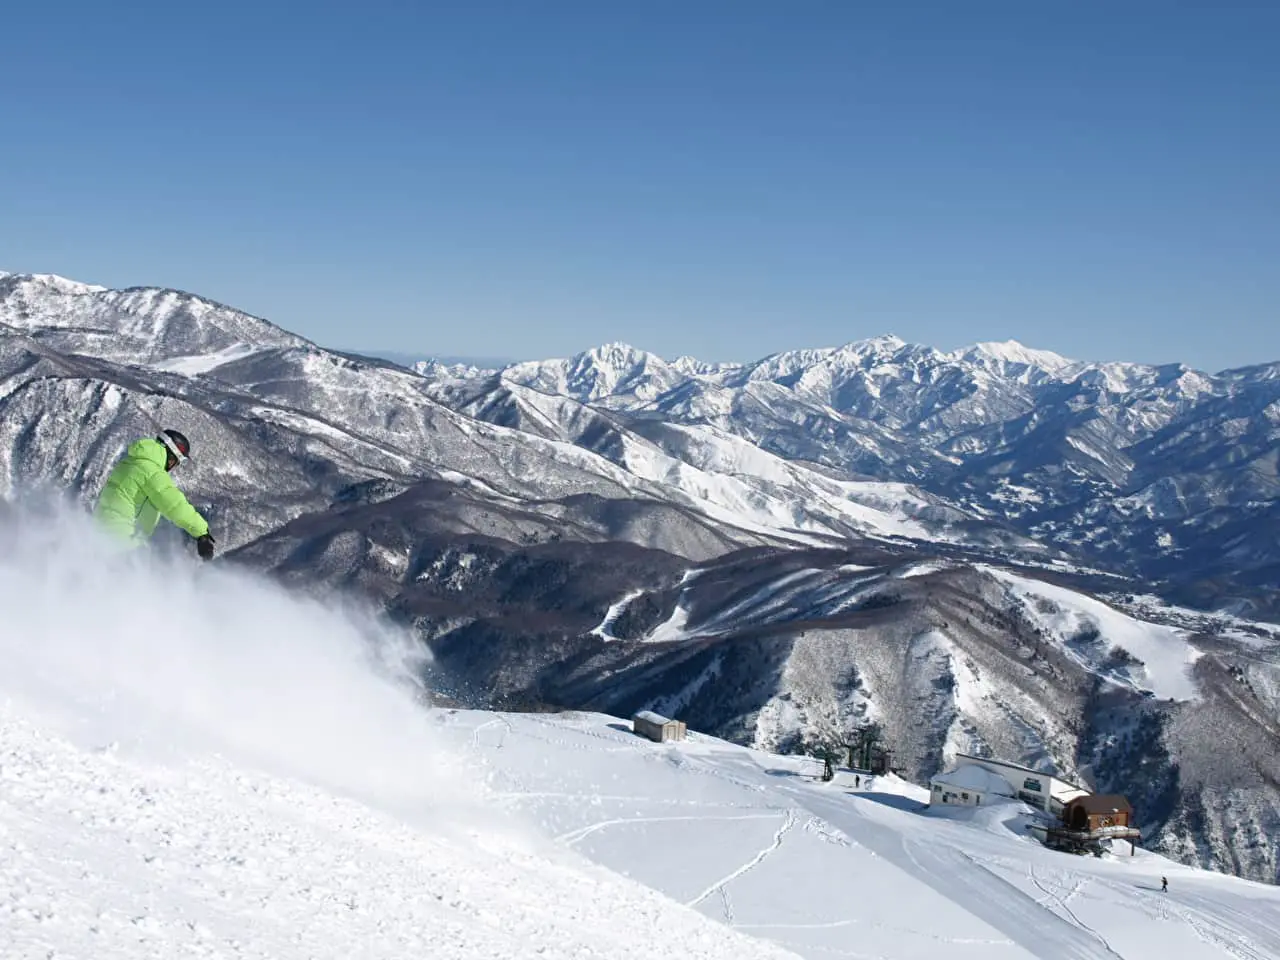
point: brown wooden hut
(1090, 820)
(656, 727)
(1096, 811)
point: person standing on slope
(139, 492)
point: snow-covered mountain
(266, 779)
(232, 374)
(618, 532)
(1160, 472)
(167, 328)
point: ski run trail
(195, 763)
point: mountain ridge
(1087, 437)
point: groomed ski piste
(195, 763)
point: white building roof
(651, 717)
(1068, 794)
(978, 779)
(963, 758)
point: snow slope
(1091, 631)
(195, 763)
(843, 870)
(206, 362)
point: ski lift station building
(968, 786)
(656, 727)
(975, 779)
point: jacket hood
(149, 449)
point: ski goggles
(172, 448)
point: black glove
(204, 546)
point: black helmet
(177, 444)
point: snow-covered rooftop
(652, 717)
(973, 777)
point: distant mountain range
(409, 359)
(780, 552)
(1158, 472)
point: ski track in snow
(573, 836)
(789, 821)
(1063, 905)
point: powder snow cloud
(150, 651)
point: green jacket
(139, 492)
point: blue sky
(721, 179)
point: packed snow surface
(194, 763)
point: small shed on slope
(968, 785)
(656, 727)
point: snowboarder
(139, 492)
(1164, 884)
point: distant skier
(139, 492)
(1164, 884)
